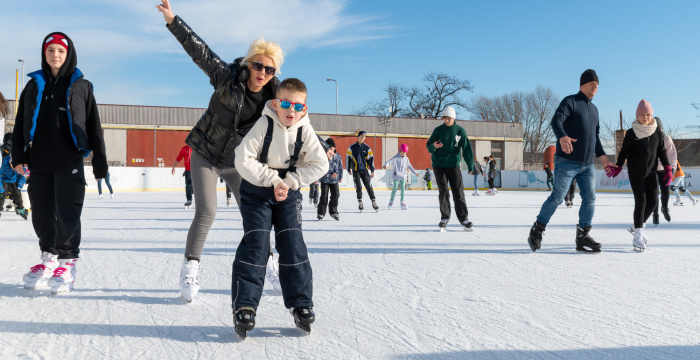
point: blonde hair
(267, 48)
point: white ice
(387, 285)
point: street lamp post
(336, 94)
(22, 61)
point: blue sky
(640, 49)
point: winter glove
(613, 171)
(669, 175)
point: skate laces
(59, 271)
(38, 268)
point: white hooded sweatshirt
(312, 163)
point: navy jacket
(360, 158)
(335, 166)
(577, 118)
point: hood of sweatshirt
(68, 66)
(269, 111)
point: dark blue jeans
(260, 212)
(564, 172)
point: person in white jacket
(279, 155)
(401, 165)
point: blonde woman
(241, 90)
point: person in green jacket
(445, 145)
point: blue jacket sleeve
(562, 113)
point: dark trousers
(13, 193)
(109, 186)
(572, 192)
(333, 204)
(453, 176)
(188, 184)
(363, 177)
(490, 181)
(664, 190)
(57, 203)
(313, 193)
(260, 213)
(646, 195)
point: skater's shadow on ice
(273, 332)
(636, 352)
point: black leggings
(645, 192)
(665, 193)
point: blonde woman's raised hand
(167, 11)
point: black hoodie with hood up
(66, 126)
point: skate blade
(305, 328)
(36, 287)
(242, 334)
(588, 251)
(638, 249)
(443, 230)
(631, 231)
(60, 291)
(185, 300)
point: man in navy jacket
(575, 125)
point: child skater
(642, 146)
(280, 154)
(12, 183)
(329, 183)
(401, 164)
(477, 173)
(57, 125)
(428, 179)
(679, 184)
(109, 186)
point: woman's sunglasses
(258, 66)
(284, 104)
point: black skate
(335, 216)
(334, 213)
(467, 225)
(360, 205)
(569, 204)
(24, 213)
(188, 204)
(655, 219)
(303, 318)
(443, 225)
(244, 321)
(584, 242)
(320, 217)
(667, 214)
(535, 237)
(375, 206)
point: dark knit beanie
(361, 132)
(330, 142)
(588, 76)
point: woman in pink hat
(642, 146)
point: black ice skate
(467, 225)
(334, 212)
(375, 206)
(335, 216)
(24, 213)
(320, 217)
(535, 237)
(188, 204)
(655, 219)
(360, 206)
(569, 204)
(667, 214)
(244, 321)
(303, 318)
(443, 225)
(584, 242)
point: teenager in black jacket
(57, 125)
(642, 146)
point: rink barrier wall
(161, 179)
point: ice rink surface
(387, 285)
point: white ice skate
(695, 201)
(639, 242)
(99, 196)
(228, 203)
(272, 273)
(476, 193)
(63, 277)
(111, 196)
(40, 274)
(391, 203)
(404, 206)
(189, 283)
(678, 202)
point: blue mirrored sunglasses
(286, 104)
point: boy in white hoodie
(401, 165)
(279, 155)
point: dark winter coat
(360, 158)
(492, 169)
(217, 133)
(642, 154)
(577, 118)
(80, 134)
(335, 166)
(9, 175)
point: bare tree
(534, 109)
(395, 98)
(440, 90)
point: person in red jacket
(186, 154)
